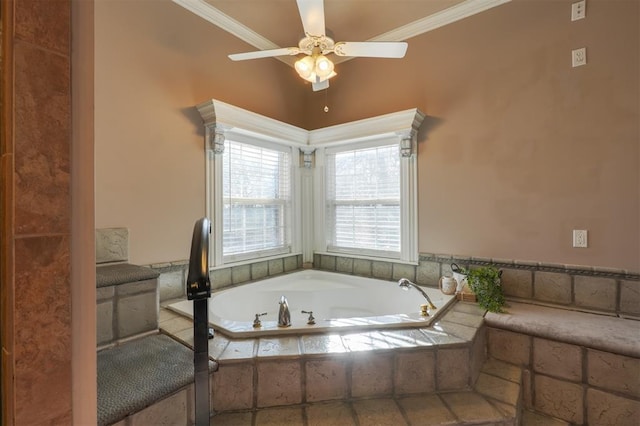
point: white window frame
(330, 231)
(408, 207)
(218, 175)
(399, 128)
(224, 121)
(307, 178)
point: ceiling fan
(315, 67)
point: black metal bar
(201, 361)
(199, 290)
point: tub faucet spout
(284, 316)
(405, 284)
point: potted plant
(485, 283)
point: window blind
(256, 198)
(363, 199)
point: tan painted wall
(153, 62)
(518, 148)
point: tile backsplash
(612, 291)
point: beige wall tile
(280, 416)
(168, 411)
(233, 387)
(382, 270)
(326, 379)
(400, 270)
(557, 359)
(415, 372)
(244, 418)
(428, 273)
(499, 389)
(330, 414)
(508, 346)
(426, 410)
(552, 287)
(371, 375)
(259, 270)
(279, 383)
(344, 265)
(362, 267)
(558, 398)
(471, 407)
(517, 282)
(276, 266)
(378, 412)
(607, 409)
(630, 297)
(452, 369)
(595, 292)
(613, 372)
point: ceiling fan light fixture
(324, 67)
(305, 67)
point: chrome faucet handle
(256, 322)
(311, 319)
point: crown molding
(226, 118)
(402, 124)
(229, 118)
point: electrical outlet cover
(578, 10)
(580, 238)
(579, 57)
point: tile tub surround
(112, 247)
(291, 370)
(127, 302)
(578, 367)
(612, 291)
(173, 275)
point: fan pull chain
(326, 107)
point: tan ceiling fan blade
(371, 49)
(284, 51)
(312, 15)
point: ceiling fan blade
(371, 49)
(312, 15)
(284, 51)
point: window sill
(372, 258)
(253, 260)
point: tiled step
(139, 373)
(529, 418)
(495, 400)
(452, 408)
(501, 384)
(126, 302)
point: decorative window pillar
(215, 138)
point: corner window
(363, 200)
(273, 189)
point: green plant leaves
(485, 283)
